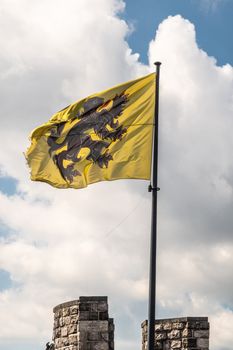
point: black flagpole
(153, 187)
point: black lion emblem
(95, 117)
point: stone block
(74, 310)
(65, 312)
(175, 344)
(204, 325)
(84, 326)
(82, 336)
(189, 343)
(84, 307)
(73, 340)
(144, 324)
(111, 336)
(159, 345)
(167, 326)
(104, 336)
(198, 325)
(64, 331)
(201, 333)
(72, 329)
(84, 315)
(174, 334)
(111, 325)
(178, 325)
(92, 299)
(187, 333)
(94, 307)
(102, 306)
(93, 315)
(65, 341)
(82, 345)
(74, 319)
(101, 326)
(203, 343)
(58, 314)
(61, 322)
(111, 345)
(160, 336)
(103, 315)
(99, 346)
(158, 327)
(66, 320)
(57, 333)
(58, 342)
(93, 336)
(167, 345)
(56, 323)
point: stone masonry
(83, 324)
(186, 333)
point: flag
(106, 136)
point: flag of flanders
(106, 136)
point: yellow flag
(106, 136)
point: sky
(56, 245)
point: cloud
(196, 165)
(62, 244)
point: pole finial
(157, 63)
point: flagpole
(153, 187)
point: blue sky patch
(5, 279)
(213, 24)
(8, 185)
(4, 230)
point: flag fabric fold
(106, 136)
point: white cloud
(196, 165)
(68, 243)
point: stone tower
(83, 324)
(185, 333)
